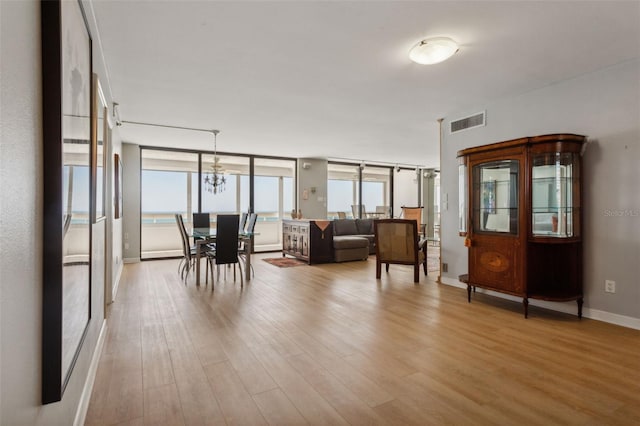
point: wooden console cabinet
(521, 216)
(307, 239)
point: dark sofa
(353, 239)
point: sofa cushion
(344, 227)
(365, 226)
(350, 242)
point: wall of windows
(172, 184)
(343, 190)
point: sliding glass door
(274, 198)
(343, 190)
(166, 188)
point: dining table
(204, 236)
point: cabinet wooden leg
(580, 301)
(525, 303)
(468, 293)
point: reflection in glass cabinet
(554, 202)
(463, 195)
(495, 199)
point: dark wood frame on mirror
(66, 63)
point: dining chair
(398, 242)
(226, 248)
(201, 220)
(66, 224)
(342, 215)
(251, 226)
(243, 222)
(189, 252)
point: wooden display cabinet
(308, 240)
(521, 215)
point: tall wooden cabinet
(308, 240)
(521, 215)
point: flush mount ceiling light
(433, 50)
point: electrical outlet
(609, 286)
(445, 267)
(126, 246)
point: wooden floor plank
(277, 409)
(236, 403)
(330, 344)
(162, 406)
(199, 404)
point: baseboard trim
(131, 260)
(85, 397)
(564, 307)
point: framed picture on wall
(117, 187)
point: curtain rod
(377, 163)
(167, 126)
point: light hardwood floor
(328, 344)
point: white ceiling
(333, 79)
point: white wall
(604, 106)
(315, 176)
(131, 202)
(405, 190)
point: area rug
(284, 262)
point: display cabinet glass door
(494, 258)
(555, 198)
(495, 201)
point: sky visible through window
(165, 192)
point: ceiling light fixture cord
(214, 182)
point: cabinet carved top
(559, 141)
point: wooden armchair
(397, 241)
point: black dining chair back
(201, 220)
(227, 239)
(226, 247)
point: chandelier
(215, 181)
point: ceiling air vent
(469, 122)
